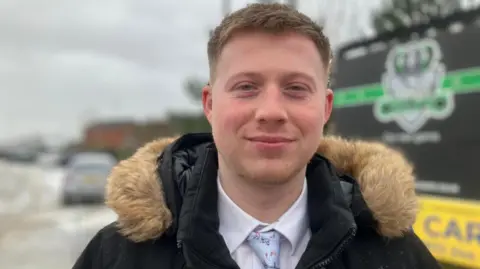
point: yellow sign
(451, 230)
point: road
(35, 230)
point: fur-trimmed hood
(386, 180)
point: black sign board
(422, 96)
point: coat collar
(135, 190)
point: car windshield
(91, 169)
(89, 158)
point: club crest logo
(413, 86)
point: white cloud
(62, 61)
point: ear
(207, 101)
(328, 105)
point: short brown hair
(271, 18)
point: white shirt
(236, 225)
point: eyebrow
(292, 75)
(286, 76)
(252, 75)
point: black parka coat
(361, 206)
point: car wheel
(68, 200)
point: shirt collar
(236, 224)
(293, 224)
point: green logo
(412, 86)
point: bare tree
(406, 13)
(193, 87)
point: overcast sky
(65, 61)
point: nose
(271, 108)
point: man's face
(267, 105)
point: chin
(268, 179)
(271, 173)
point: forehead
(262, 52)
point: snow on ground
(28, 188)
(35, 230)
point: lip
(270, 139)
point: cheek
(228, 115)
(309, 119)
(313, 125)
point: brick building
(123, 135)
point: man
(266, 190)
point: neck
(266, 203)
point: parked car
(86, 177)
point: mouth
(272, 140)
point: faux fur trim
(386, 180)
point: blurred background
(85, 83)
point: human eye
(297, 90)
(245, 87)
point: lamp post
(226, 7)
(292, 3)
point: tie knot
(267, 247)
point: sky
(66, 62)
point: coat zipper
(180, 248)
(321, 265)
(337, 251)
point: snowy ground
(35, 230)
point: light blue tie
(267, 247)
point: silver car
(86, 177)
